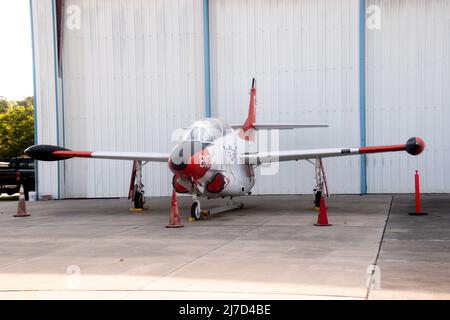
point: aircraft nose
(188, 159)
(179, 158)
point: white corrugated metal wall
(132, 74)
(135, 69)
(47, 99)
(304, 55)
(408, 93)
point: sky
(16, 65)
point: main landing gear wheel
(138, 200)
(317, 198)
(196, 211)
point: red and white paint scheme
(214, 159)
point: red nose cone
(196, 167)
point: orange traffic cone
(322, 220)
(21, 208)
(174, 221)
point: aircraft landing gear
(136, 192)
(317, 196)
(321, 188)
(139, 200)
(197, 213)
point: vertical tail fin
(251, 118)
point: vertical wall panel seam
(206, 54)
(362, 91)
(55, 61)
(62, 163)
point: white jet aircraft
(217, 160)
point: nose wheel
(196, 212)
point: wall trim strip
(206, 54)
(56, 67)
(33, 55)
(362, 91)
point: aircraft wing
(282, 126)
(413, 146)
(54, 153)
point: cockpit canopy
(206, 130)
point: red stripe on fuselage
(197, 165)
(73, 154)
(398, 147)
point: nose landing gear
(197, 213)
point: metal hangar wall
(122, 75)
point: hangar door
(304, 55)
(408, 81)
(132, 73)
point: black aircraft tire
(195, 213)
(138, 200)
(317, 198)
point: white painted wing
(55, 153)
(142, 156)
(413, 146)
(292, 155)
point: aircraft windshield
(206, 130)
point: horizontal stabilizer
(282, 126)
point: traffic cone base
(21, 207)
(322, 219)
(174, 221)
(21, 215)
(174, 226)
(418, 214)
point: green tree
(4, 105)
(16, 130)
(26, 102)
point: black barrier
(218, 309)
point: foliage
(27, 102)
(4, 105)
(16, 127)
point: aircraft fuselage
(205, 162)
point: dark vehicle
(19, 171)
